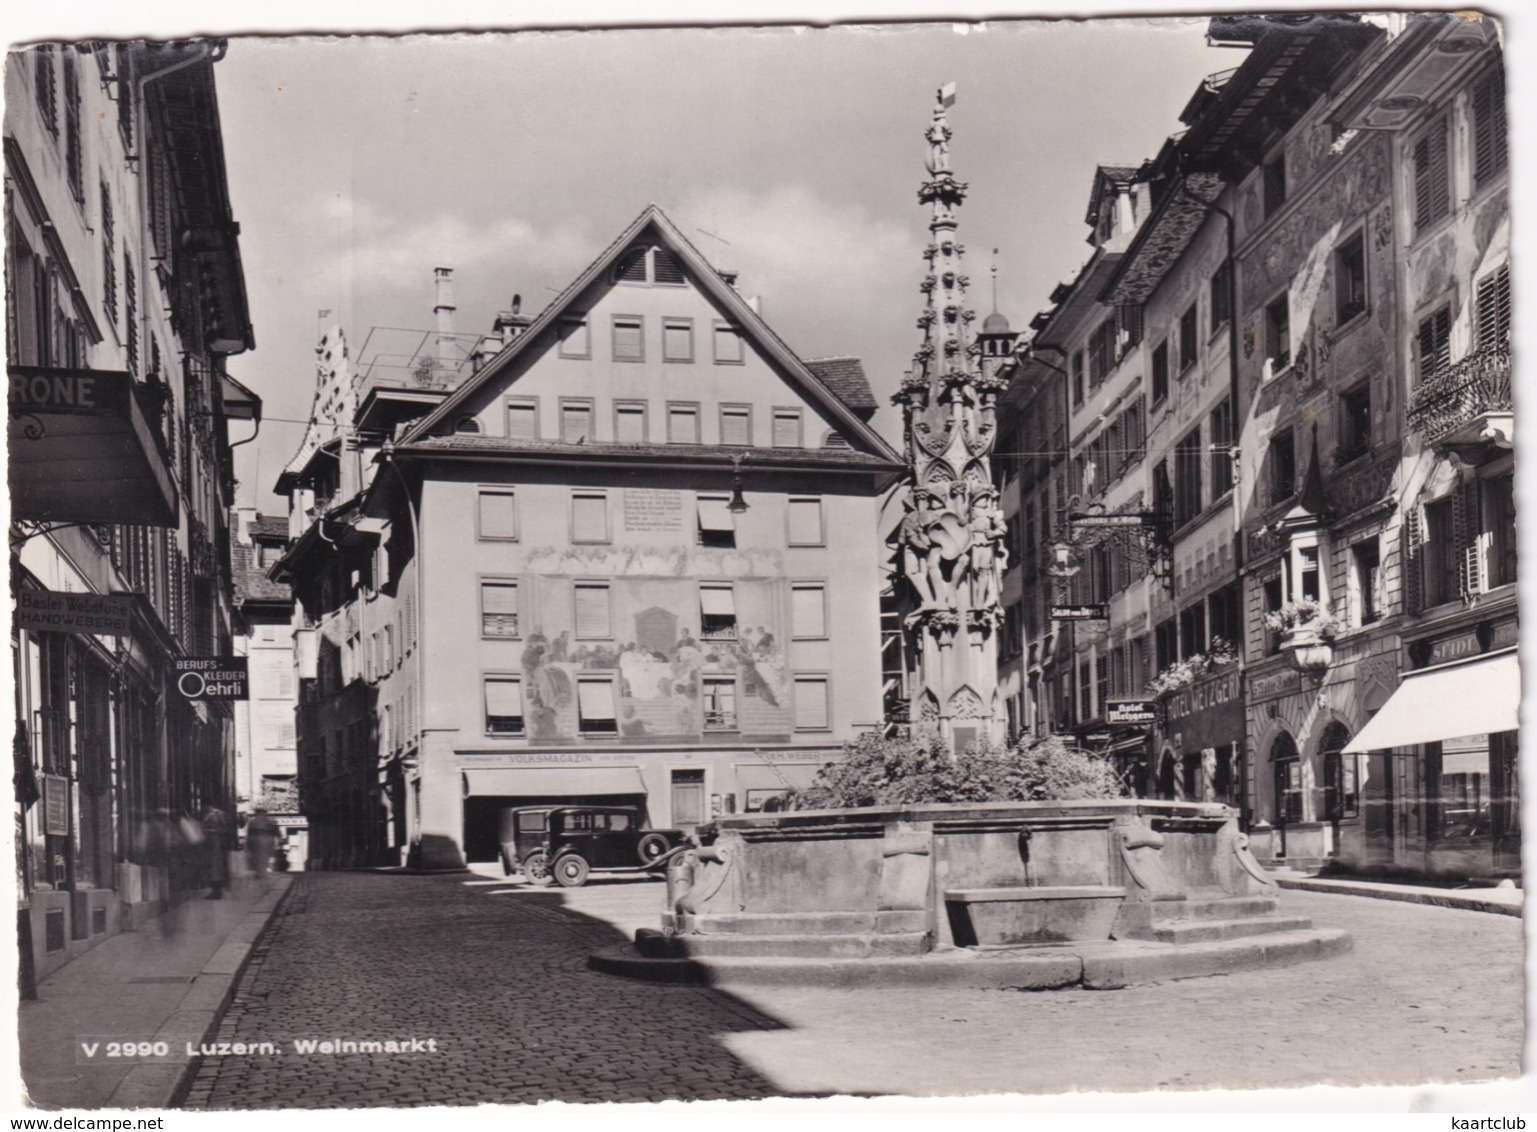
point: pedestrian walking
(261, 838)
(216, 851)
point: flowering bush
(1184, 673)
(913, 770)
(1304, 613)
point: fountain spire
(952, 545)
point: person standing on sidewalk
(216, 851)
(261, 837)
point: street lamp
(738, 505)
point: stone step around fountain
(1214, 908)
(1188, 931)
(861, 945)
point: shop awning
(84, 450)
(1467, 698)
(552, 782)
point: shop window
(1432, 177)
(677, 339)
(728, 344)
(1490, 154)
(718, 697)
(629, 338)
(717, 525)
(1355, 422)
(575, 422)
(1366, 586)
(1342, 780)
(498, 609)
(504, 705)
(575, 337)
(595, 705)
(736, 425)
(630, 422)
(811, 704)
(523, 420)
(592, 611)
(1283, 466)
(1287, 770)
(1434, 343)
(717, 611)
(1460, 769)
(498, 514)
(1350, 279)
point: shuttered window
(523, 420)
(1494, 308)
(805, 520)
(678, 340)
(499, 609)
(592, 610)
(728, 344)
(498, 515)
(629, 339)
(736, 425)
(1435, 343)
(787, 428)
(808, 610)
(595, 703)
(1490, 155)
(811, 712)
(717, 525)
(575, 422)
(630, 423)
(575, 338)
(589, 516)
(717, 612)
(665, 267)
(1432, 186)
(504, 705)
(682, 424)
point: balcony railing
(1477, 385)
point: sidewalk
(1501, 901)
(166, 982)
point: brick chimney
(444, 310)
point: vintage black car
(521, 831)
(579, 839)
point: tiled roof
(845, 377)
(272, 526)
(692, 453)
(251, 581)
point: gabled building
(629, 558)
(124, 300)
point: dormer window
(652, 266)
(468, 426)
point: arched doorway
(1286, 769)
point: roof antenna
(995, 280)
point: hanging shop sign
(212, 678)
(1080, 612)
(55, 805)
(1209, 713)
(1115, 519)
(1131, 711)
(48, 611)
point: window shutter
(630, 424)
(1430, 177)
(575, 423)
(504, 698)
(1411, 539)
(592, 610)
(498, 515)
(499, 609)
(589, 518)
(596, 699)
(735, 427)
(1494, 308)
(632, 269)
(629, 340)
(665, 267)
(808, 611)
(811, 702)
(717, 601)
(787, 429)
(805, 522)
(522, 422)
(682, 424)
(1489, 144)
(1472, 569)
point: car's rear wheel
(571, 871)
(536, 869)
(651, 847)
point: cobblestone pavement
(500, 983)
(495, 971)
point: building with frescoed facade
(628, 558)
(124, 299)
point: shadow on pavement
(500, 987)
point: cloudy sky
(357, 165)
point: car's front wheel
(536, 869)
(651, 847)
(571, 871)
